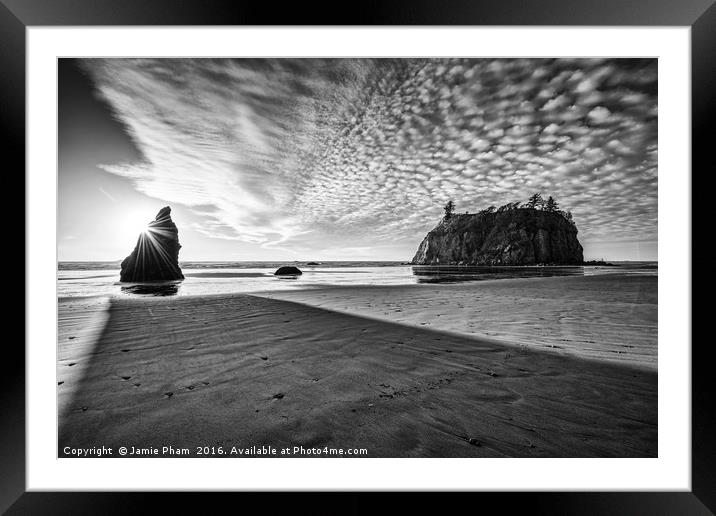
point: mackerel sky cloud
(321, 155)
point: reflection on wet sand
(163, 288)
(462, 273)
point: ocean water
(92, 279)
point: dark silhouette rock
(523, 236)
(288, 270)
(156, 255)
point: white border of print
(670, 471)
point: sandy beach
(542, 367)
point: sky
(349, 159)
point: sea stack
(521, 236)
(156, 255)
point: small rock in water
(288, 270)
(474, 441)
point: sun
(130, 226)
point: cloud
(556, 103)
(355, 152)
(599, 115)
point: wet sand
(245, 370)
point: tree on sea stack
(449, 209)
(550, 205)
(535, 201)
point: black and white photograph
(357, 257)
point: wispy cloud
(363, 152)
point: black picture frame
(700, 15)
